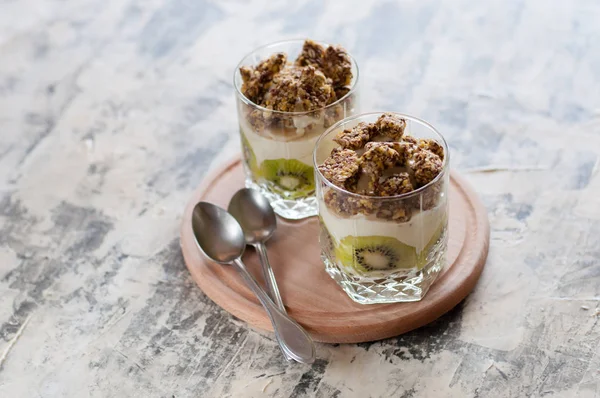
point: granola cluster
(317, 78)
(333, 61)
(380, 160)
(341, 168)
(297, 90)
(357, 137)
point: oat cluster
(380, 160)
(341, 168)
(317, 78)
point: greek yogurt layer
(417, 232)
(299, 148)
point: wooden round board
(310, 295)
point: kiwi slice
(367, 254)
(290, 177)
(249, 155)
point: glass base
(397, 287)
(393, 289)
(292, 209)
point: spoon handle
(292, 338)
(272, 288)
(269, 276)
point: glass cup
(277, 146)
(383, 249)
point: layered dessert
(287, 103)
(383, 206)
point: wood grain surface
(310, 295)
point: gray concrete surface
(112, 111)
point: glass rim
(445, 163)
(247, 101)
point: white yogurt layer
(271, 148)
(417, 232)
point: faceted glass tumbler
(383, 249)
(277, 147)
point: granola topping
(298, 90)
(409, 139)
(366, 165)
(340, 167)
(257, 80)
(395, 184)
(312, 54)
(390, 126)
(426, 165)
(333, 61)
(433, 146)
(377, 158)
(338, 66)
(356, 137)
(389, 210)
(317, 78)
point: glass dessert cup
(383, 249)
(277, 146)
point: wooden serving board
(310, 295)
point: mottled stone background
(112, 111)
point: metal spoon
(220, 238)
(257, 219)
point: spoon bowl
(255, 215)
(217, 233)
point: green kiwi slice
(289, 177)
(367, 254)
(249, 155)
